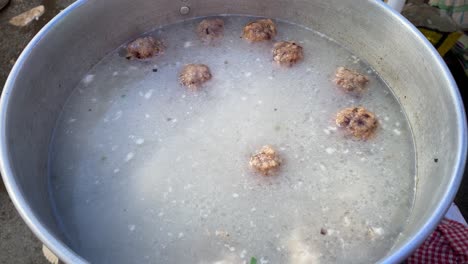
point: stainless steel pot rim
(69, 256)
(63, 252)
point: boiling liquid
(145, 171)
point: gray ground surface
(462, 196)
(17, 243)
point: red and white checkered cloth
(447, 244)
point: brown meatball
(357, 121)
(287, 53)
(266, 161)
(210, 29)
(350, 80)
(260, 30)
(143, 48)
(194, 75)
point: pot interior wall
(74, 44)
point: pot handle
(397, 5)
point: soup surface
(143, 170)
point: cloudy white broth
(144, 170)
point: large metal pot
(66, 48)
